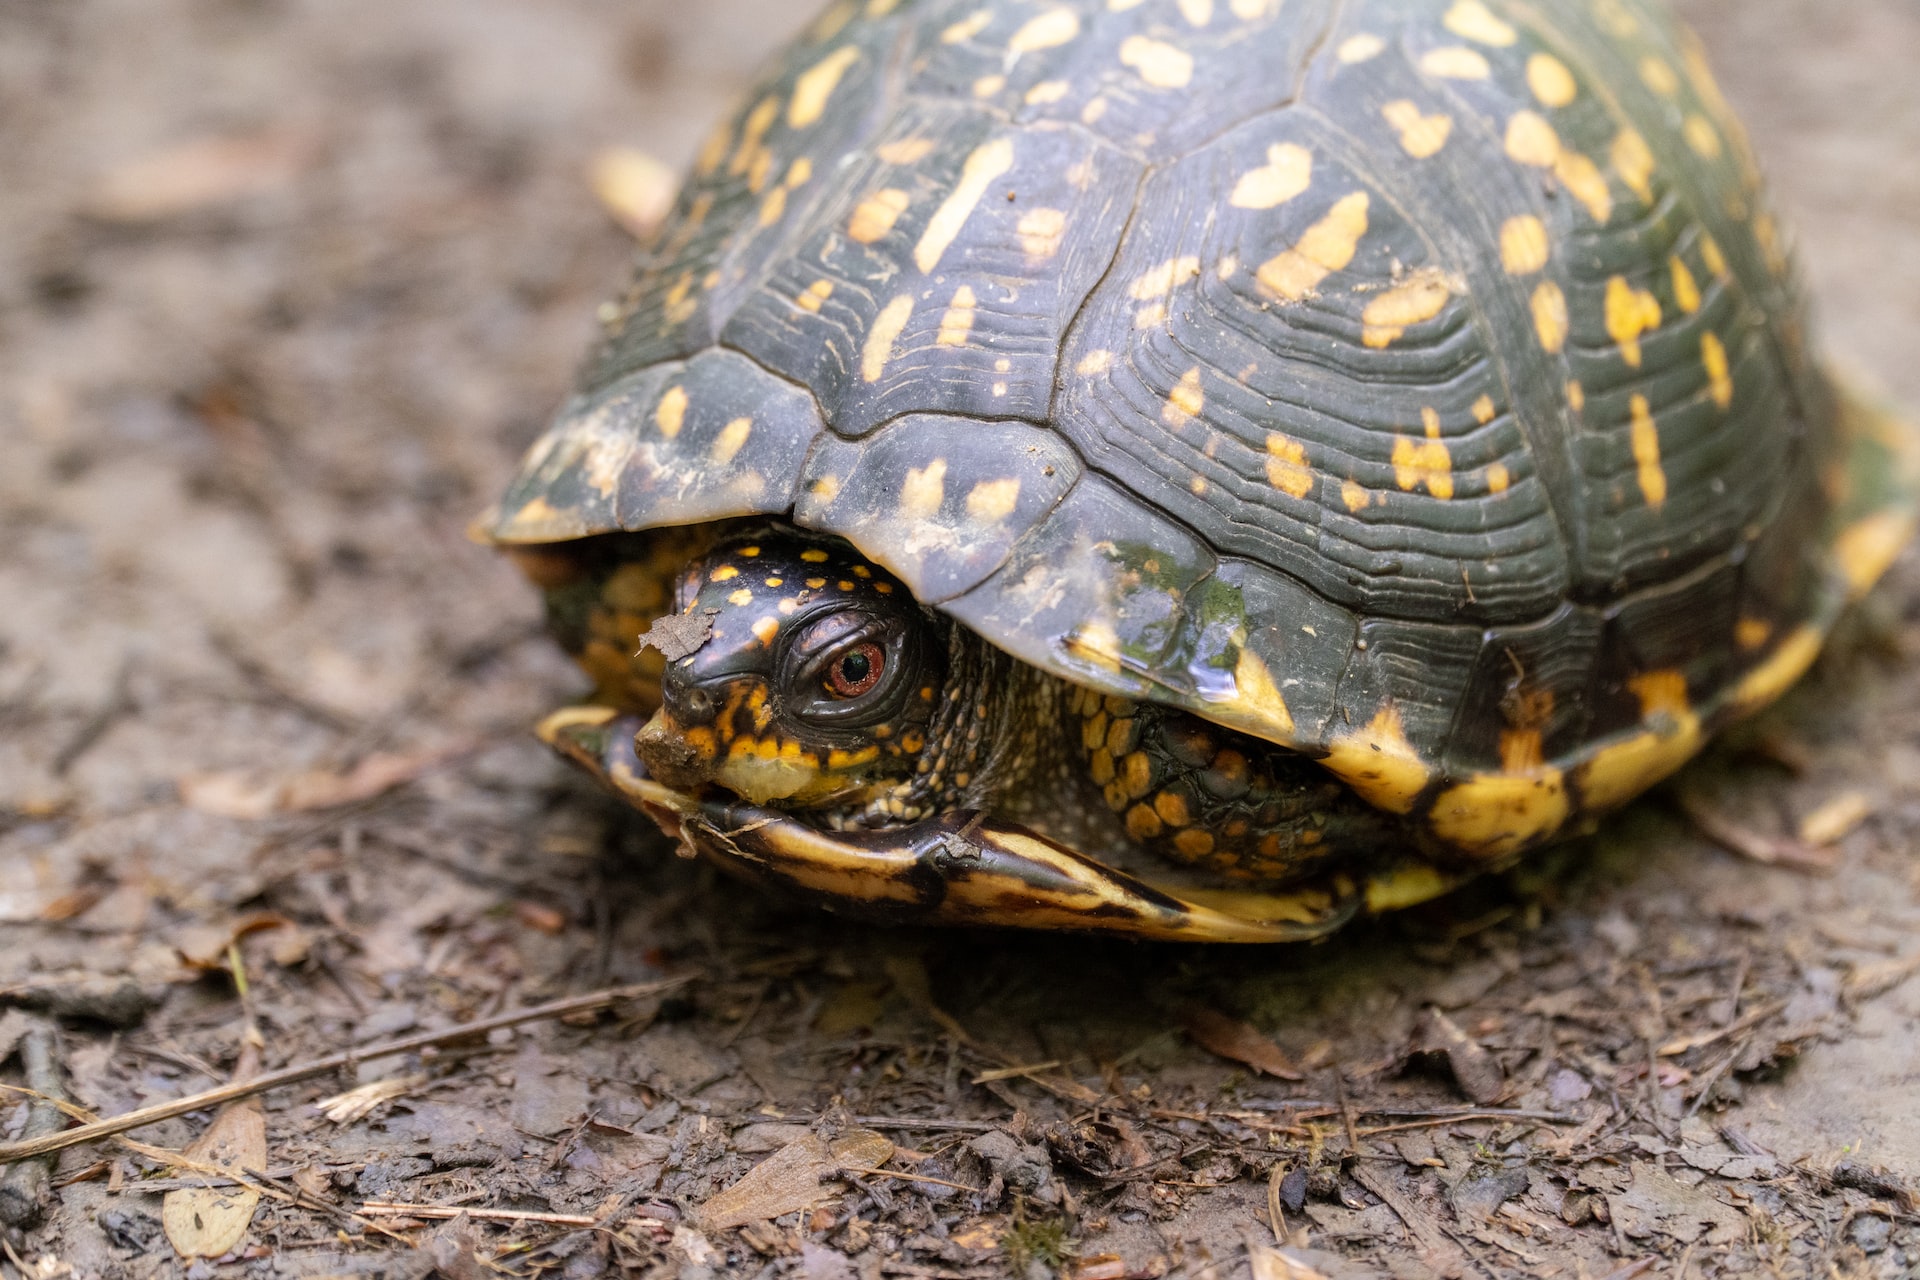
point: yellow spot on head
(1197, 12)
(1531, 140)
(1420, 135)
(1455, 62)
(1523, 245)
(730, 440)
(874, 217)
(1185, 401)
(1646, 452)
(816, 84)
(1359, 48)
(987, 162)
(991, 501)
(1048, 91)
(725, 573)
(741, 597)
(1472, 20)
(1550, 316)
(1420, 298)
(1686, 291)
(814, 555)
(1162, 65)
(1040, 231)
(878, 348)
(1287, 172)
(957, 323)
(987, 86)
(1550, 80)
(1630, 313)
(1326, 246)
(671, 412)
(924, 490)
(750, 552)
(1714, 356)
(1054, 27)
(1287, 468)
(861, 571)
(1632, 162)
(766, 629)
(1378, 762)
(776, 582)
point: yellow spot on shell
(826, 488)
(1645, 436)
(816, 293)
(1048, 91)
(1711, 255)
(991, 501)
(1523, 245)
(1497, 478)
(1360, 48)
(752, 130)
(731, 439)
(1576, 395)
(1420, 135)
(773, 206)
(1589, 186)
(874, 217)
(741, 597)
(1531, 140)
(1162, 65)
(1197, 12)
(1185, 401)
(1496, 815)
(725, 573)
(957, 323)
(1378, 762)
(1630, 313)
(1686, 290)
(671, 412)
(1455, 62)
(1326, 246)
(1094, 363)
(1040, 232)
(968, 27)
(1287, 172)
(1159, 281)
(1472, 20)
(1624, 769)
(1248, 10)
(814, 555)
(1354, 496)
(1048, 30)
(1257, 706)
(1658, 76)
(1550, 316)
(816, 84)
(924, 490)
(1420, 298)
(987, 86)
(1407, 885)
(765, 629)
(1424, 462)
(1633, 164)
(878, 348)
(1751, 633)
(1714, 356)
(987, 162)
(1866, 547)
(1484, 410)
(1550, 80)
(906, 151)
(1702, 137)
(1287, 468)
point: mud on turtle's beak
(671, 755)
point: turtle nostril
(690, 706)
(700, 703)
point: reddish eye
(856, 671)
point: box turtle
(1196, 469)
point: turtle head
(799, 675)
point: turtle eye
(855, 670)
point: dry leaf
(198, 174)
(1278, 1264)
(357, 1104)
(636, 188)
(1235, 1040)
(1830, 822)
(1476, 1071)
(211, 1222)
(791, 1177)
(861, 1149)
(247, 796)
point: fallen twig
(21, 1189)
(1674, 1048)
(402, 1209)
(107, 1128)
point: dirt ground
(287, 285)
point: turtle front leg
(1195, 793)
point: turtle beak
(672, 755)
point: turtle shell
(1418, 384)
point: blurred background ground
(287, 285)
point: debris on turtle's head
(798, 674)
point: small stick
(11, 1151)
(400, 1208)
(21, 1189)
